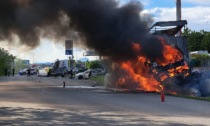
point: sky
(196, 12)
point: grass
(197, 98)
(193, 97)
(99, 79)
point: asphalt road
(27, 101)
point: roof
(170, 28)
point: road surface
(27, 101)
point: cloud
(198, 17)
(49, 51)
(146, 2)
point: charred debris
(168, 30)
(186, 81)
(171, 73)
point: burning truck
(156, 74)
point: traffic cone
(162, 96)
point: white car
(25, 71)
(91, 72)
(98, 71)
(83, 75)
(75, 70)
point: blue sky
(149, 4)
(196, 12)
(167, 3)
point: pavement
(33, 101)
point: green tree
(197, 40)
(19, 65)
(194, 40)
(205, 45)
(6, 60)
(93, 64)
(186, 31)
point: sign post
(69, 51)
(69, 47)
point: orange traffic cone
(162, 96)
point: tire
(80, 77)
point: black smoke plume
(103, 25)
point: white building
(200, 52)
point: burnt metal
(169, 28)
(159, 68)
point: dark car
(25, 71)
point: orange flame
(150, 79)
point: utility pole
(178, 13)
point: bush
(197, 58)
(195, 62)
(93, 65)
(6, 60)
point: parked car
(90, 72)
(98, 71)
(48, 71)
(75, 70)
(83, 75)
(25, 71)
(60, 71)
(44, 71)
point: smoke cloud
(103, 25)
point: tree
(205, 45)
(194, 40)
(93, 64)
(187, 31)
(19, 65)
(197, 40)
(6, 60)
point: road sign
(69, 47)
(69, 52)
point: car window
(86, 72)
(94, 71)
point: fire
(152, 75)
